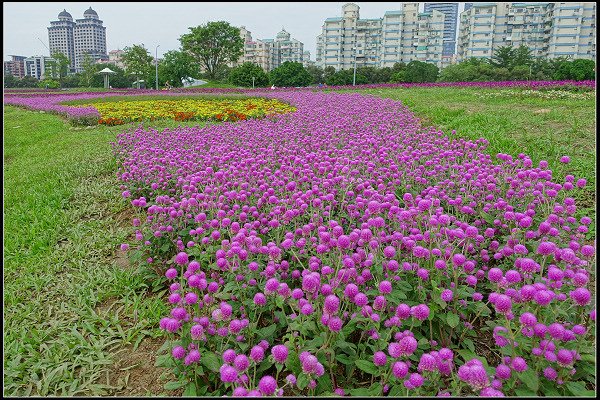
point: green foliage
(346, 77)
(243, 74)
(328, 72)
(503, 57)
(62, 64)
(88, 70)
(175, 66)
(213, 45)
(138, 62)
(419, 72)
(290, 74)
(317, 74)
(49, 84)
(120, 79)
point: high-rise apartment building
(399, 36)
(548, 29)
(15, 67)
(75, 39)
(270, 53)
(468, 6)
(450, 11)
(39, 66)
(60, 37)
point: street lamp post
(156, 61)
(354, 78)
(252, 82)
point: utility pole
(252, 82)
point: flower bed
(345, 249)
(188, 109)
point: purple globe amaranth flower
(257, 354)
(241, 362)
(280, 353)
(379, 358)
(228, 374)
(332, 304)
(267, 385)
(581, 296)
(519, 364)
(181, 258)
(229, 356)
(178, 352)
(171, 273)
(446, 295)
(420, 312)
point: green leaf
(367, 366)
(395, 390)
(453, 320)
(344, 359)
(173, 385)
(211, 361)
(302, 381)
(469, 344)
(530, 379)
(267, 332)
(190, 390)
(578, 389)
(525, 392)
(293, 363)
(362, 392)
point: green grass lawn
(71, 301)
(543, 129)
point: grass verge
(71, 301)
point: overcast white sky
(163, 23)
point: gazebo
(106, 72)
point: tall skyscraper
(450, 11)
(468, 6)
(75, 39)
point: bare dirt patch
(133, 372)
(542, 111)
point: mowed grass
(541, 128)
(71, 299)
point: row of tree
(207, 50)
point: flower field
(120, 112)
(346, 249)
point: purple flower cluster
(350, 225)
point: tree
(290, 74)
(62, 64)
(383, 75)
(583, 70)
(138, 62)
(521, 56)
(316, 73)
(177, 65)
(89, 69)
(243, 74)
(120, 79)
(346, 77)
(419, 72)
(213, 45)
(503, 57)
(328, 72)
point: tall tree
(177, 65)
(88, 70)
(243, 74)
(503, 57)
(213, 45)
(290, 74)
(521, 56)
(62, 65)
(316, 72)
(138, 61)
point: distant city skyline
(163, 23)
